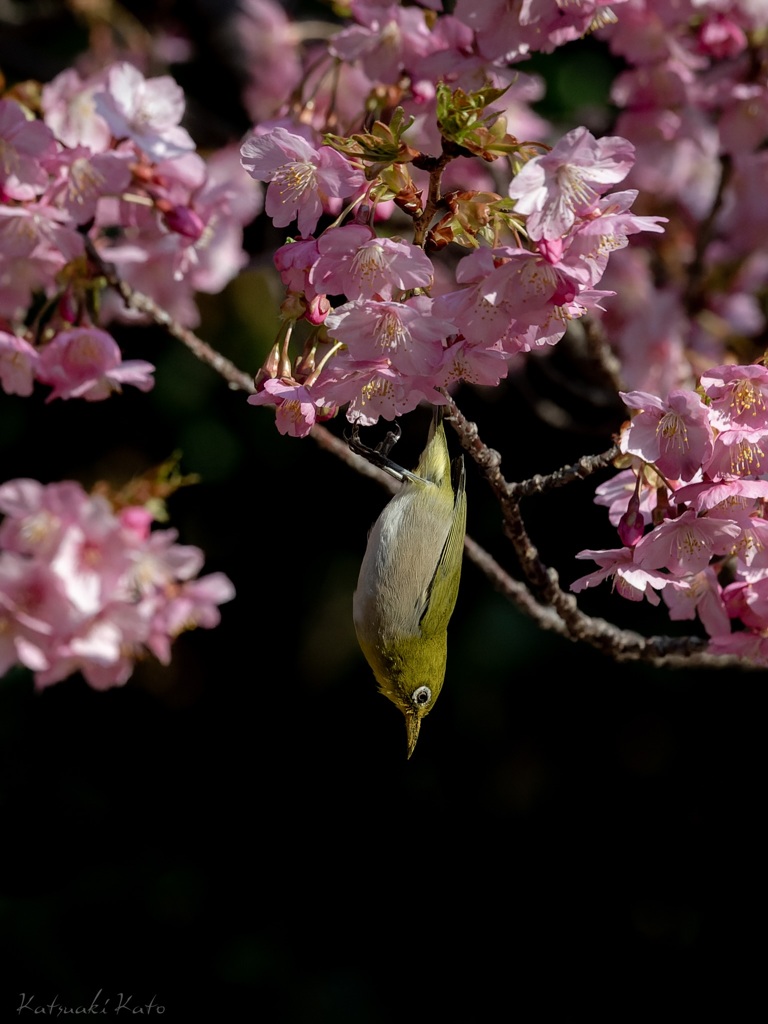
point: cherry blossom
(739, 396)
(24, 146)
(145, 110)
(18, 362)
(565, 183)
(69, 110)
(701, 597)
(85, 362)
(405, 333)
(300, 177)
(631, 580)
(674, 434)
(352, 261)
(685, 545)
(296, 407)
(83, 589)
(100, 167)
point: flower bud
(184, 221)
(631, 526)
(317, 310)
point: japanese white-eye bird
(409, 579)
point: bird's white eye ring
(421, 696)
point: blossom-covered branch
(444, 233)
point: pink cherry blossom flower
(721, 36)
(751, 549)
(270, 45)
(91, 558)
(227, 189)
(352, 261)
(738, 453)
(83, 178)
(605, 230)
(703, 597)
(69, 110)
(677, 154)
(39, 230)
(294, 262)
(739, 396)
(514, 30)
(36, 515)
(195, 603)
(296, 408)
(224, 203)
(159, 562)
(301, 178)
(24, 146)
(102, 650)
(33, 610)
(747, 601)
(373, 388)
(476, 364)
(630, 580)
(565, 183)
(674, 435)
(145, 110)
(391, 40)
(86, 362)
(405, 333)
(509, 290)
(685, 545)
(18, 360)
(725, 498)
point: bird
(410, 573)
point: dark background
(240, 834)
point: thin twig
(237, 379)
(580, 470)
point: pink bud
(318, 309)
(136, 519)
(184, 222)
(721, 38)
(631, 524)
(68, 308)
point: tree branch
(237, 379)
(550, 602)
(542, 599)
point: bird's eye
(422, 696)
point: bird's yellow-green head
(409, 581)
(411, 673)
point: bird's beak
(412, 726)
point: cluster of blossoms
(443, 231)
(394, 342)
(698, 478)
(102, 165)
(540, 218)
(693, 99)
(541, 222)
(86, 588)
